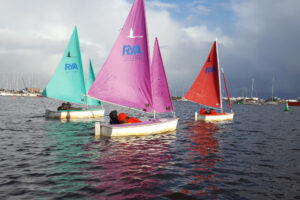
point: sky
(258, 40)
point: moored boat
(296, 103)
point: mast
(273, 79)
(219, 76)
(243, 93)
(252, 88)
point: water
(255, 157)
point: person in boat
(113, 115)
(69, 107)
(203, 111)
(124, 119)
(63, 106)
(212, 111)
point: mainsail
(206, 88)
(67, 83)
(161, 97)
(124, 78)
(90, 80)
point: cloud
(34, 34)
(38, 38)
(202, 9)
(263, 42)
(159, 4)
(266, 45)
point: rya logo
(210, 69)
(72, 66)
(132, 50)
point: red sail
(206, 88)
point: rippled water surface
(257, 156)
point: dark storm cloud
(266, 45)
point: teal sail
(90, 80)
(67, 83)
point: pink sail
(161, 97)
(125, 76)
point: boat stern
(75, 114)
(214, 117)
(156, 126)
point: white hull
(137, 129)
(216, 118)
(271, 103)
(74, 114)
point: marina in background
(36, 92)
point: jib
(72, 66)
(132, 50)
(210, 69)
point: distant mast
(252, 87)
(273, 79)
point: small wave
(268, 166)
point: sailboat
(206, 89)
(252, 100)
(68, 84)
(127, 79)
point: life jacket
(202, 111)
(211, 111)
(133, 120)
(123, 118)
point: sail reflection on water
(66, 155)
(131, 167)
(203, 154)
